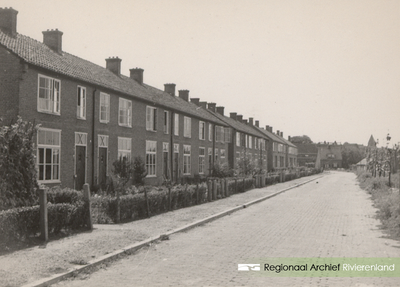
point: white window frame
(81, 103)
(227, 134)
(176, 124)
(187, 152)
(210, 133)
(187, 127)
(151, 118)
(222, 153)
(104, 115)
(124, 148)
(49, 145)
(102, 142)
(202, 130)
(151, 158)
(51, 103)
(250, 142)
(166, 122)
(238, 139)
(81, 140)
(125, 113)
(202, 159)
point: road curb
(131, 248)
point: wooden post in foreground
(44, 228)
(86, 194)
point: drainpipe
(171, 148)
(93, 135)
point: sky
(326, 69)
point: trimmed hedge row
(67, 210)
(134, 206)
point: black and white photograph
(199, 143)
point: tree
(139, 171)
(18, 180)
(301, 139)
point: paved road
(332, 217)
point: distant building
(329, 156)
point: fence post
(236, 186)
(197, 193)
(209, 191)
(86, 194)
(169, 198)
(214, 189)
(227, 188)
(44, 228)
(147, 203)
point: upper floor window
(227, 135)
(210, 132)
(250, 142)
(166, 122)
(104, 108)
(176, 124)
(49, 95)
(202, 130)
(124, 148)
(219, 134)
(151, 118)
(238, 139)
(125, 112)
(187, 127)
(81, 106)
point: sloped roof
(38, 54)
(371, 142)
(324, 150)
(241, 127)
(270, 135)
(289, 143)
(362, 162)
(307, 148)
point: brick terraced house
(90, 116)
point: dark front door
(80, 167)
(176, 166)
(102, 167)
(165, 167)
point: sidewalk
(60, 256)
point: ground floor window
(186, 159)
(151, 152)
(48, 154)
(202, 154)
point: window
(202, 130)
(176, 124)
(124, 148)
(237, 139)
(125, 112)
(81, 107)
(227, 135)
(151, 152)
(210, 159)
(250, 142)
(166, 122)
(202, 154)
(186, 159)
(216, 154)
(48, 155)
(49, 95)
(222, 153)
(151, 119)
(104, 108)
(210, 132)
(187, 127)
(247, 141)
(256, 143)
(219, 134)
(237, 156)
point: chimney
(211, 106)
(251, 121)
(8, 21)
(137, 75)
(170, 89)
(271, 130)
(53, 40)
(114, 65)
(203, 105)
(233, 116)
(257, 124)
(281, 134)
(184, 94)
(278, 133)
(239, 118)
(220, 110)
(195, 101)
(244, 121)
(289, 138)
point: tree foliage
(301, 139)
(17, 165)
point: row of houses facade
(90, 116)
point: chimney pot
(170, 89)
(8, 21)
(137, 75)
(258, 124)
(239, 118)
(277, 132)
(251, 121)
(233, 116)
(211, 106)
(244, 121)
(184, 94)
(220, 110)
(281, 134)
(114, 65)
(53, 40)
(195, 101)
